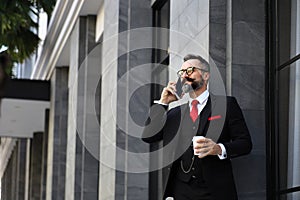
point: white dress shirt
(202, 99)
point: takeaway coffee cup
(195, 138)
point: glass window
(161, 14)
(288, 99)
(289, 126)
(290, 196)
(288, 29)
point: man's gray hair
(202, 60)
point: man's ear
(206, 76)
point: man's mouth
(189, 79)
(192, 85)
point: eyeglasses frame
(193, 69)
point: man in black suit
(219, 119)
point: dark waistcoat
(185, 161)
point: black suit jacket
(221, 120)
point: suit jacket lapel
(204, 115)
(218, 109)
(184, 109)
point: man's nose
(184, 75)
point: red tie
(194, 111)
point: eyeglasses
(189, 71)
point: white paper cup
(195, 138)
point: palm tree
(17, 27)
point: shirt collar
(202, 98)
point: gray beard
(186, 88)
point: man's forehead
(191, 62)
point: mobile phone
(179, 91)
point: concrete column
(218, 35)
(108, 84)
(9, 177)
(57, 135)
(13, 179)
(27, 169)
(44, 156)
(21, 169)
(7, 181)
(35, 166)
(133, 99)
(91, 127)
(72, 114)
(14, 175)
(88, 91)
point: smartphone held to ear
(179, 91)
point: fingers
(205, 147)
(168, 90)
(203, 143)
(167, 95)
(171, 87)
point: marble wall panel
(248, 86)
(217, 43)
(217, 11)
(177, 8)
(250, 170)
(250, 11)
(107, 174)
(189, 30)
(141, 14)
(248, 43)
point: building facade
(107, 61)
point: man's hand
(206, 146)
(167, 95)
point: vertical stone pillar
(57, 135)
(72, 114)
(87, 138)
(27, 168)
(21, 169)
(124, 70)
(44, 156)
(7, 181)
(9, 178)
(217, 35)
(108, 84)
(248, 86)
(133, 99)
(13, 179)
(91, 127)
(35, 166)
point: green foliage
(18, 27)
(46, 5)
